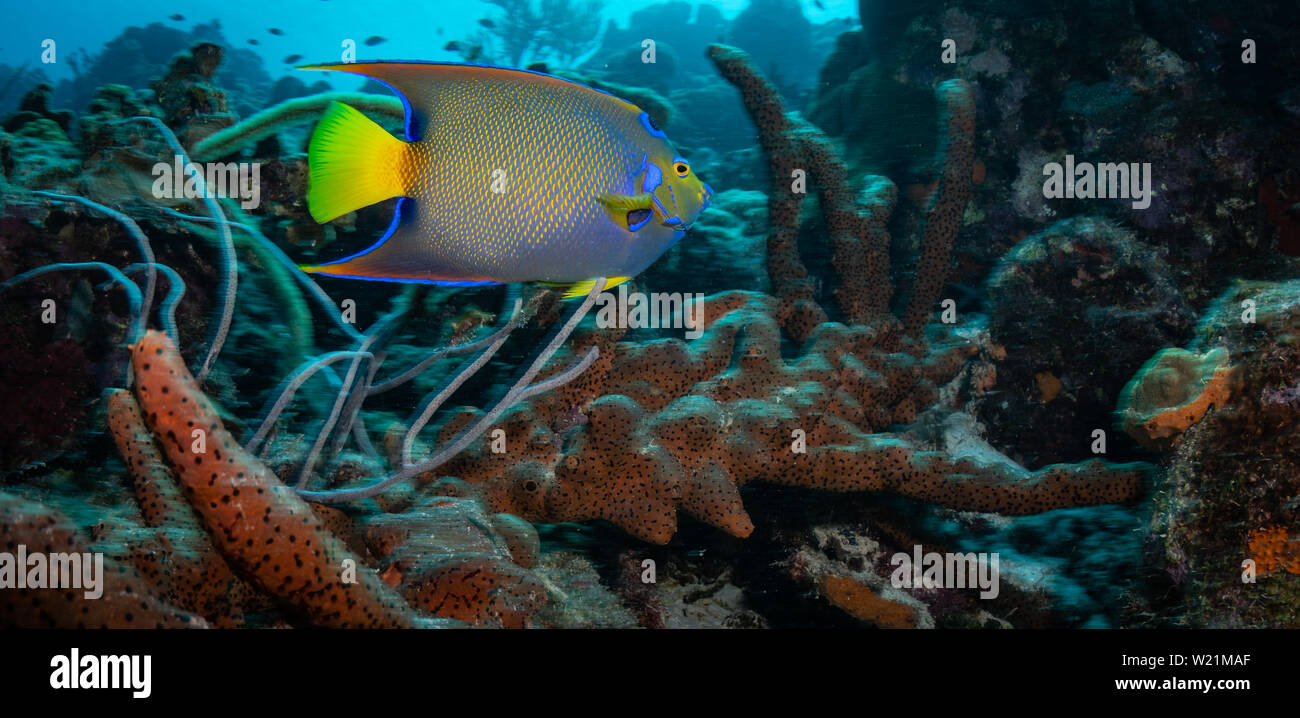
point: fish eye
(682, 169)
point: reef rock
(1078, 308)
(1225, 534)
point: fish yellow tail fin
(353, 163)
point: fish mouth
(674, 221)
(706, 197)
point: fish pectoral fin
(583, 288)
(630, 211)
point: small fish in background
(504, 176)
(275, 31)
(375, 40)
(292, 59)
(438, 30)
(487, 23)
(818, 4)
(468, 52)
(177, 18)
(251, 41)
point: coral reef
(778, 37)
(39, 137)
(629, 432)
(187, 96)
(658, 428)
(221, 537)
(679, 30)
(1225, 519)
(139, 55)
(827, 416)
(35, 107)
(1045, 91)
(1116, 295)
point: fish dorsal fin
(418, 84)
(628, 210)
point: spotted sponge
(127, 600)
(174, 552)
(258, 524)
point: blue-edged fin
(353, 163)
(398, 256)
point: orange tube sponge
(943, 217)
(160, 499)
(256, 522)
(777, 133)
(176, 554)
(798, 152)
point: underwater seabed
(1102, 435)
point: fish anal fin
(398, 256)
(583, 288)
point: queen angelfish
(504, 176)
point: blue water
(314, 29)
